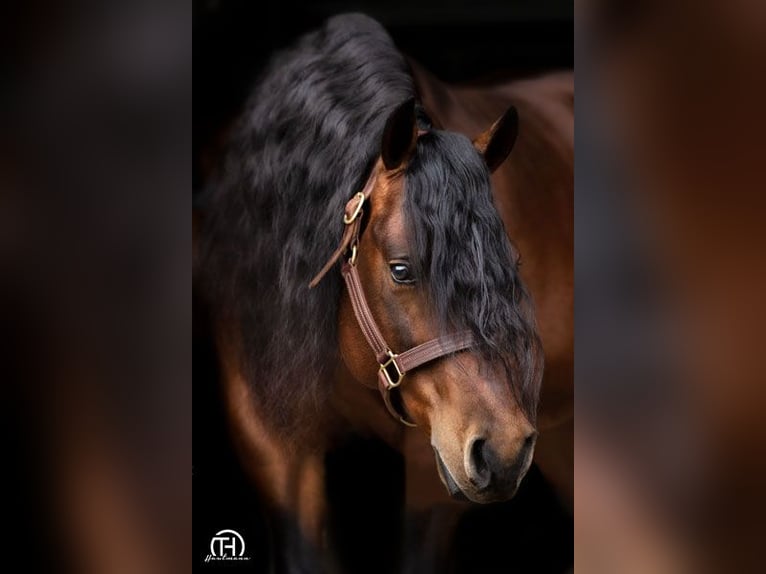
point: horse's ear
(400, 135)
(497, 142)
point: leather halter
(392, 366)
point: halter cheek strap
(352, 218)
(392, 367)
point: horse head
(432, 259)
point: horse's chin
(466, 495)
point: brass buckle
(385, 368)
(357, 210)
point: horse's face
(482, 438)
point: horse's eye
(401, 273)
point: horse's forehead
(389, 197)
(388, 221)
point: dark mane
(304, 145)
(462, 253)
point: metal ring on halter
(349, 219)
(396, 372)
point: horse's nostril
(485, 469)
(479, 471)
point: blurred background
(95, 322)
(94, 274)
(669, 381)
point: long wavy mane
(305, 143)
(470, 268)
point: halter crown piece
(392, 366)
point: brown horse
(333, 162)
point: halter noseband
(392, 367)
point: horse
(360, 257)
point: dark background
(459, 42)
